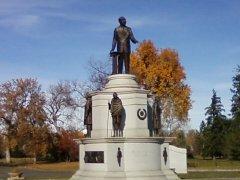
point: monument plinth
(133, 99)
(135, 155)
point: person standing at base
(122, 37)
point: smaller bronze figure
(165, 155)
(88, 114)
(122, 37)
(156, 117)
(119, 157)
(116, 109)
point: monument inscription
(94, 157)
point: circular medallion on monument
(142, 114)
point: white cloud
(79, 17)
(16, 6)
(144, 21)
(20, 22)
(24, 14)
(223, 86)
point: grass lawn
(213, 164)
(212, 169)
(210, 174)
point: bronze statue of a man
(116, 109)
(121, 38)
(88, 114)
(156, 117)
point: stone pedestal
(133, 99)
(142, 156)
(142, 159)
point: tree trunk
(56, 126)
(34, 158)
(7, 155)
(7, 150)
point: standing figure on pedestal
(88, 114)
(165, 156)
(156, 117)
(121, 38)
(119, 156)
(116, 109)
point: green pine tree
(234, 139)
(214, 130)
(234, 135)
(236, 93)
(215, 109)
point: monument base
(136, 175)
(141, 159)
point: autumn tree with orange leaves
(160, 71)
(68, 146)
(22, 116)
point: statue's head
(115, 95)
(122, 21)
(87, 95)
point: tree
(236, 93)
(21, 102)
(60, 104)
(194, 142)
(160, 71)
(1, 146)
(234, 140)
(99, 71)
(34, 139)
(197, 144)
(215, 109)
(10, 99)
(67, 146)
(180, 140)
(214, 132)
(32, 130)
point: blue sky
(52, 40)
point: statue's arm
(133, 39)
(114, 42)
